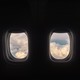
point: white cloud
(60, 36)
(59, 51)
(59, 45)
(19, 45)
(20, 55)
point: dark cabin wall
(38, 18)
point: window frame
(7, 53)
(71, 37)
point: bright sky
(57, 50)
(60, 36)
(19, 45)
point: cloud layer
(19, 45)
(59, 45)
(59, 51)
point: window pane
(19, 45)
(59, 45)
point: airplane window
(59, 46)
(19, 45)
